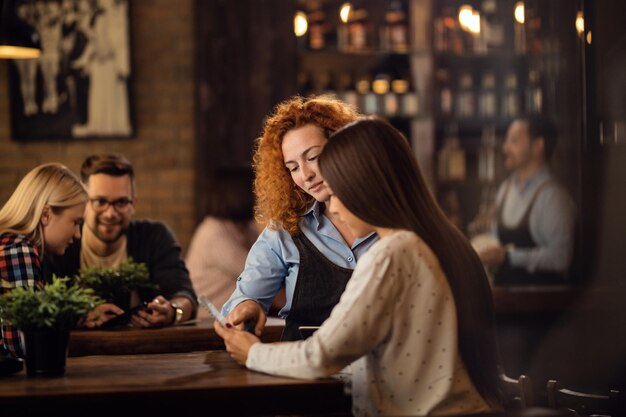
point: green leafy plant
(58, 304)
(110, 283)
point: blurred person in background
(220, 244)
(535, 224)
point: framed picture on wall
(79, 87)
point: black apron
(319, 286)
(520, 237)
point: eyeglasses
(121, 205)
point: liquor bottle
(534, 93)
(305, 83)
(394, 34)
(451, 159)
(325, 83)
(381, 86)
(367, 98)
(510, 100)
(317, 26)
(466, 99)
(400, 87)
(347, 90)
(409, 97)
(451, 206)
(359, 28)
(487, 155)
(492, 27)
(445, 92)
(487, 101)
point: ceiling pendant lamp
(18, 39)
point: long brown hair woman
(416, 315)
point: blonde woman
(44, 213)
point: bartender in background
(535, 214)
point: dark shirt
(148, 242)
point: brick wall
(162, 150)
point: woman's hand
(248, 311)
(101, 314)
(238, 342)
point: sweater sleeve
(154, 243)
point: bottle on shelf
(445, 99)
(347, 90)
(487, 155)
(519, 28)
(466, 99)
(305, 83)
(381, 86)
(367, 98)
(487, 98)
(510, 99)
(325, 83)
(316, 18)
(451, 206)
(394, 34)
(492, 28)
(359, 29)
(451, 162)
(534, 93)
(409, 96)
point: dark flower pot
(45, 351)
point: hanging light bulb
(344, 12)
(519, 13)
(474, 23)
(18, 39)
(465, 16)
(300, 24)
(580, 23)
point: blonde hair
(52, 185)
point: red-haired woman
(304, 247)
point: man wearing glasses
(110, 237)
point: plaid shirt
(19, 266)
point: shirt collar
(538, 177)
(315, 210)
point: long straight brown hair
(370, 167)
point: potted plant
(115, 285)
(44, 316)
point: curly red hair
(279, 201)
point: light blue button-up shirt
(274, 259)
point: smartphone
(307, 331)
(124, 318)
(204, 302)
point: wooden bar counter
(173, 384)
(191, 337)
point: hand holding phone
(204, 302)
(124, 318)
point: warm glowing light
(580, 23)
(519, 13)
(300, 24)
(465, 16)
(474, 23)
(589, 37)
(344, 12)
(18, 52)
